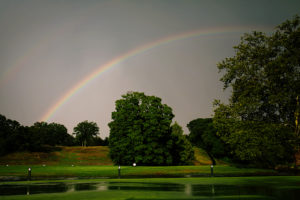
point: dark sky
(48, 46)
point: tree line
(43, 136)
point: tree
(9, 132)
(38, 137)
(182, 151)
(255, 143)
(85, 132)
(50, 134)
(264, 76)
(140, 131)
(98, 141)
(59, 135)
(105, 142)
(204, 135)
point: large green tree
(204, 135)
(86, 132)
(262, 116)
(140, 131)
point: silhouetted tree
(9, 132)
(86, 132)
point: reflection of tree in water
(146, 186)
(71, 188)
(102, 187)
(232, 190)
(37, 188)
(85, 186)
(211, 191)
(188, 189)
(28, 190)
(61, 187)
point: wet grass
(127, 195)
(40, 172)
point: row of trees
(43, 136)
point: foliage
(182, 151)
(86, 132)
(39, 137)
(140, 131)
(258, 143)
(42, 133)
(264, 75)
(9, 131)
(204, 135)
(98, 141)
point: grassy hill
(95, 162)
(97, 155)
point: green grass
(125, 195)
(95, 162)
(127, 171)
(97, 155)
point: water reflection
(198, 190)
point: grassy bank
(97, 155)
(44, 172)
(94, 162)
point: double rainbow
(163, 41)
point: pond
(189, 190)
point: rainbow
(163, 41)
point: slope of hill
(97, 155)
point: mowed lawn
(44, 172)
(95, 162)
